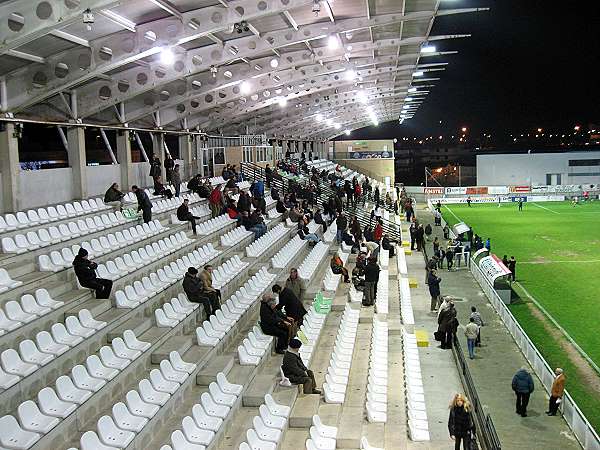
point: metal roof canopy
(261, 66)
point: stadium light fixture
(329, 122)
(245, 87)
(282, 102)
(463, 129)
(418, 73)
(333, 42)
(412, 89)
(167, 56)
(274, 63)
(428, 48)
(337, 126)
(577, 128)
(319, 117)
(347, 132)
(350, 74)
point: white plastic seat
(43, 298)
(52, 405)
(151, 395)
(125, 420)
(170, 373)
(7, 324)
(31, 354)
(110, 360)
(322, 443)
(30, 306)
(139, 407)
(47, 344)
(194, 434)
(212, 408)
(12, 436)
(219, 396)
(227, 387)
(83, 380)
(275, 408)
(14, 311)
(122, 351)
(326, 431)
(204, 339)
(133, 342)
(332, 396)
(32, 419)
(75, 328)
(204, 420)
(271, 420)
(265, 432)
(162, 320)
(68, 392)
(246, 359)
(375, 414)
(180, 442)
(12, 363)
(112, 435)
(161, 384)
(99, 370)
(258, 444)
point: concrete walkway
(494, 365)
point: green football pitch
(557, 248)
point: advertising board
(492, 268)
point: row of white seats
(140, 291)
(266, 432)
(214, 329)
(331, 280)
(169, 204)
(401, 261)
(322, 437)
(253, 348)
(212, 225)
(44, 237)
(377, 382)
(47, 345)
(198, 211)
(312, 325)
(307, 268)
(283, 257)
(338, 372)
(266, 241)
(234, 236)
(59, 260)
(331, 232)
(130, 262)
(383, 293)
(173, 312)
(129, 418)
(32, 217)
(418, 425)
(273, 214)
(217, 180)
(227, 271)
(54, 404)
(406, 309)
(17, 313)
(384, 257)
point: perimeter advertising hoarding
(486, 199)
(433, 190)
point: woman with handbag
(461, 424)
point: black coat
(293, 306)
(293, 367)
(85, 270)
(144, 202)
(243, 203)
(193, 288)
(269, 319)
(183, 212)
(460, 422)
(434, 284)
(446, 320)
(113, 195)
(342, 223)
(372, 273)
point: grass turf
(557, 248)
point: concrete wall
(372, 145)
(99, 178)
(374, 168)
(531, 169)
(45, 187)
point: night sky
(528, 64)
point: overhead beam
(290, 19)
(119, 19)
(26, 56)
(168, 7)
(328, 10)
(71, 38)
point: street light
(463, 129)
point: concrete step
(305, 407)
(294, 439)
(138, 325)
(179, 343)
(18, 269)
(208, 374)
(95, 306)
(196, 354)
(255, 393)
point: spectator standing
(378, 231)
(269, 176)
(169, 165)
(522, 385)
(295, 370)
(114, 197)
(342, 224)
(155, 168)
(512, 266)
(273, 324)
(557, 391)
(184, 214)
(413, 235)
(214, 295)
(449, 256)
(447, 324)
(420, 238)
(371, 279)
(194, 290)
(461, 425)
(144, 203)
(488, 244)
(433, 281)
(479, 321)
(293, 305)
(337, 267)
(446, 231)
(176, 180)
(295, 284)
(215, 202)
(471, 333)
(85, 270)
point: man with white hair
(557, 391)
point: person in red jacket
(378, 232)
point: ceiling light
(418, 73)
(350, 74)
(245, 87)
(282, 102)
(349, 48)
(167, 56)
(428, 48)
(274, 63)
(362, 97)
(333, 42)
(347, 132)
(319, 117)
(408, 99)
(337, 126)
(412, 89)
(329, 122)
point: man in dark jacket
(447, 324)
(371, 279)
(522, 384)
(155, 168)
(268, 175)
(273, 324)
(169, 165)
(342, 224)
(85, 270)
(194, 289)
(433, 281)
(243, 203)
(288, 300)
(184, 214)
(294, 369)
(144, 203)
(114, 197)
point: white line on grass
(543, 207)
(562, 262)
(452, 212)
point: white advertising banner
(492, 268)
(486, 199)
(456, 190)
(497, 190)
